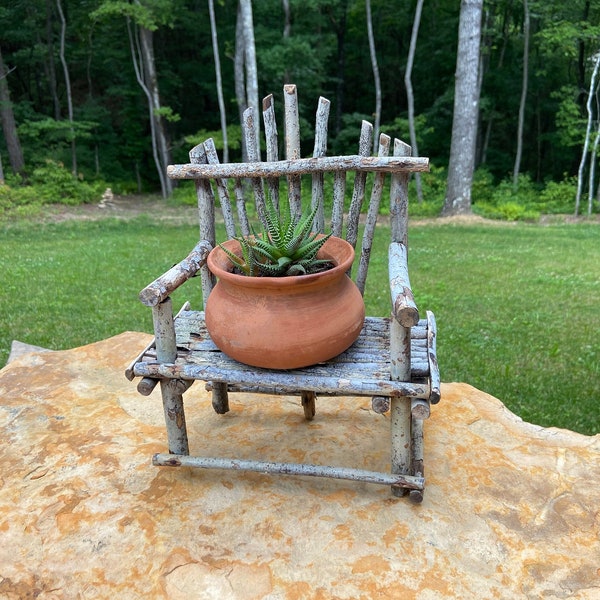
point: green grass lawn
(517, 305)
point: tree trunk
(240, 78)
(9, 127)
(466, 111)
(521, 122)
(63, 60)
(592, 178)
(142, 54)
(588, 132)
(409, 92)
(222, 112)
(376, 79)
(250, 62)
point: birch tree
(466, 110)
(65, 66)
(215, 44)
(588, 132)
(520, 125)
(142, 20)
(250, 70)
(376, 79)
(409, 91)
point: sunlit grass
(517, 305)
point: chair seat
(362, 370)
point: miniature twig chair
(394, 359)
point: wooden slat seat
(394, 359)
(362, 370)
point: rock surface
(511, 510)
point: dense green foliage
(326, 54)
(516, 304)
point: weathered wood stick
(164, 286)
(146, 386)
(164, 331)
(380, 404)
(405, 481)
(206, 217)
(308, 400)
(150, 349)
(372, 214)
(172, 396)
(220, 398)
(434, 369)
(292, 145)
(404, 308)
(271, 145)
(249, 132)
(400, 437)
(399, 195)
(129, 370)
(418, 469)
(213, 159)
(419, 408)
(365, 144)
(301, 166)
(286, 381)
(319, 150)
(339, 193)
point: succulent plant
(286, 246)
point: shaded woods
(115, 89)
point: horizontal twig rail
(178, 460)
(300, 166)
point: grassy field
(517, 305)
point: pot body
(285, 322)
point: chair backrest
(213, 180)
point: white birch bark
(250, 63)
(143, 63)
(376, 78)
(586, 143)
(63, 31)
(240, 79)
(409, 92)
(522, 104)
(222, 112)
(466, 111)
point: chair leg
(220, 398)
(401, 440)
(417, 468)
(172, 397)
(309, 405)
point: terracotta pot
(285, 322)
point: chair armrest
(161, 288)
(404, 308)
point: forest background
(79, 78)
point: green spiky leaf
(286, 246)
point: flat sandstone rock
(511, 510)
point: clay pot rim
(337, 250)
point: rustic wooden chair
(400, 371)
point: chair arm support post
(404, 308)
(164, 332)
(163, 287)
